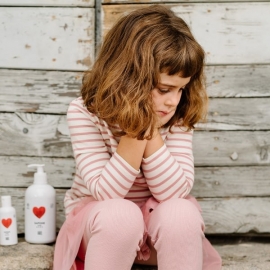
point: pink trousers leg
(112, 235)
(176, 231)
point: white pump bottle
(8, 225)
(40, 209)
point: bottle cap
(6, 201)
(40, 177)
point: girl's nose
(173, 99)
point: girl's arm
(105, 175)
(169, 171)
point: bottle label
(40, 219)
(6, 235)
(6, 222)
(39, 211)
(8, 229)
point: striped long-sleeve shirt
(103, 174)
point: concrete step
(236, 255)
(24, 256)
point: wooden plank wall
(45, 46)
(41, 63)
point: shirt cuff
(133, 170)
(153, 156)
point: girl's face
(167, 94)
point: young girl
(131, 133)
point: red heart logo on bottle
(7, 222)
(39, 212)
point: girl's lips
(162, 113)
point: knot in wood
(25, 130)
(264, 153)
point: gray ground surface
(24, 256)
(236, 255)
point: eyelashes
(164, 91)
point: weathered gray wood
(209, 181)
(34, 135)
(38, 91)
(238, 114)
(15, 173)
(232, 148)
(25, 134)
(236, 215)
(232, 215)
(238, 81)
(51, 91)
(227, 31)
(66, 43)
(86, 3)
(231, 181)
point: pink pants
(109, 234)
(115, 229)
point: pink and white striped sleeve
(105, 176)
(169, 172)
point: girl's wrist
(153, 144)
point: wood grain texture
(66, 43)
(38, 91)
(34, 135)
(25, 134)
(57, 3)
(15, 173)
(236, 215)
(238, 114)
(238, 81)
(51, 91)
(231, 181)
(226, 31)
(232, 148)
(209, 181)
(232, 215)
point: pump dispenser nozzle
(40, 177)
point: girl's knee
(181, 209)
(117, 215)
(178, 215)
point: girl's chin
(164, 121)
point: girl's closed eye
(163, 91)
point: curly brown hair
(135, 51)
